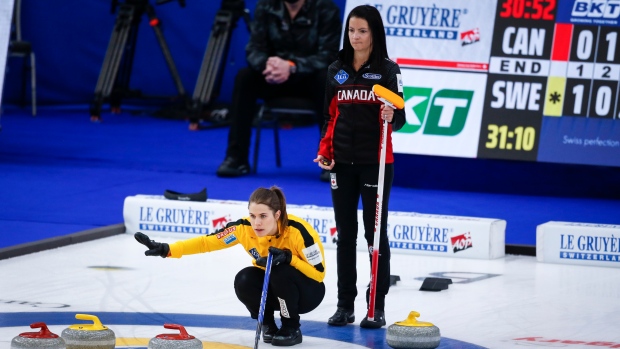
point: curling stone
(44, 339)
(413, 334)
(89, 336)
(175, 341)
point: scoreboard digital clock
(503, 137)
(528, 9)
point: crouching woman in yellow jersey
(298, 265)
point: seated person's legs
(248, 84)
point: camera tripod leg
(113, 82)
(112, 60)
(120, 86)
(154, 22)
(212, 68)
(213, 57)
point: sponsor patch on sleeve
(226, 232)
(399, 78)
(313, 254)
(230, 239)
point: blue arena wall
(70, 39)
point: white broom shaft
(377, 236)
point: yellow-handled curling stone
(180, 340)
(44, 339)
(89, 336)
(413, 334)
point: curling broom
(263, 300)
(393, 100)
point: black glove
(279, 257)
(154, 248)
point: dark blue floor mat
(61, 173)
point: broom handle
(263, 300)
(377, 236)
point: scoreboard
(517, 79)
(533, 80)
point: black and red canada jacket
(352, 130)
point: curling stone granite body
(44, 339)
(181, 340)
(413, 334)
(89, 336)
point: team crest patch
(333, 180)
(254, 253)
(372, 76)
(341, 76)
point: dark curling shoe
(286, 337)
(378, 321)
(268, 332)
(342, 317)
(232, 167)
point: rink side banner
(408, 232)
(533, 80)
(578, 244)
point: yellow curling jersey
(298, 237)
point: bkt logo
(596, 8)
(443, 113)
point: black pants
(250, 85)
(289, 290)
(353, 181)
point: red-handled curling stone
(181, 340)
(38, 340)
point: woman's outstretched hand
(154, 248)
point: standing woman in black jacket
(350, 148)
